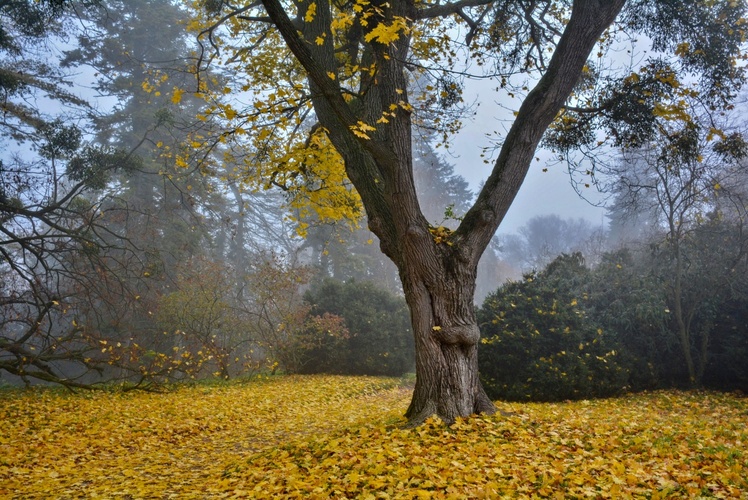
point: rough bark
(446, 336)
(438, 277)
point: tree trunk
(684, 333)
(684, 330)
(446, 337)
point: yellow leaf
(365, 126)
(229, 112)
(176, 96)
(387, 33)
(310, 12)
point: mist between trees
(135, 250)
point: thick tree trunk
(446, 337)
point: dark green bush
(538, 342)
(629, 302)
(379, 339)
(727, 367)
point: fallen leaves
(659, 445)
(337, 437)
(145, 445)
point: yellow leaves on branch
(683, 49)
(228, 111)
(176, 95)
(715, 132)
(673, 112)
(312, 174)
(361, 128)
(441, 234)
(310, 12)
(339, 437)
(387, 33)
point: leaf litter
(342, 437)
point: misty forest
(240, 255)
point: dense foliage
(574, 332)
(338, 437)
(377, 339)
(538, 342)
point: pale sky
(543, 193)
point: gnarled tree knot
(465, 335)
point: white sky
(543, 193)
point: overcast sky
(542, 193)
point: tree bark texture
(438, 276)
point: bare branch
(450, 8)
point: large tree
(352, 68)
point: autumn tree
(347, 69)
(140, 53)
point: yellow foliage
(672, 112)
(266, 108)
(361, 128)
(176, 95)
(441, 234)
(388, 33)
(338, 437)
(683, 49)
(310, 12)
(312, 174)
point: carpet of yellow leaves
(339, 437)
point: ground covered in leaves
(340, 437)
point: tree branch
(589, 19)
(449, 8)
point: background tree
(176, 215)
(544, 237)
(54, 200)
(202, 310)
(678, 183)
(273, 310)
(352, 64)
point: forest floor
(341, 437)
